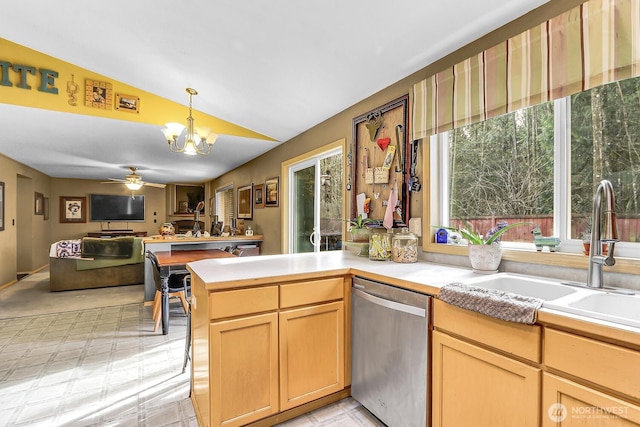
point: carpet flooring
(91, 358)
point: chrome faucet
(607, 233)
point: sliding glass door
(315, 213)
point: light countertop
(424, 277)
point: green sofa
(96, 263)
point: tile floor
(105, 367)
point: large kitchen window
(542, 164)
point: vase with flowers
(485, 252)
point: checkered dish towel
(492, 302)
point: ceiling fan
(133, 181)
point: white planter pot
(485, 258)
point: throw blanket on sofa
(136, 255)
(119, 247)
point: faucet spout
(604, 230)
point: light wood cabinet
(588, 373)
(311, 353)
(566, 403)
(473, 386)
(244, 369)
(267, 349)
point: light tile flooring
(105, 367)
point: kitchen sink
(545, 289)
(623, 309)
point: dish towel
(492, 302)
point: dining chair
(176, 288)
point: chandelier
(196, 141)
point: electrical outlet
(415, 226)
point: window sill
(559, 259)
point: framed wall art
(272, 192)
(128, 103)
(38, 205)
(73, 209)
(98, 94)
(1, 206)
(258, 196)
(245, 202)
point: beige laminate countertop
(425, 277)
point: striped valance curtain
(595, 43)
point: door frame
(285, 202)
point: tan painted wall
(267, 221)
(154, 202)
(39, 233)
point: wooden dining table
(175, 262)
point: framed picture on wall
(258, 196)
(271, 192)
(73, 209)
(127, 103)
(38, 206)
(1, 206)
(245, 202)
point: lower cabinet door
(477, 387)
(244, 369)
(311, 353)
(566, 403)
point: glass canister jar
(405, 246)
(380, 246)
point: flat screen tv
(109, 207)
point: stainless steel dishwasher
(389, 356)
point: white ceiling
(276, 67)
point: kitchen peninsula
(249, 244)
(272, 340)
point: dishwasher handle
(416, 311)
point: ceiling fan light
(133, 186)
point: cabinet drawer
(311, 292)
(510, 337)
(594, 361)
(242, 301)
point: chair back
(176, 281)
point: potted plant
(485, 253)
(358, 228)
(585, 236)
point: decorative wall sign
(128, 103)
(98, 94)
(73, 209)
